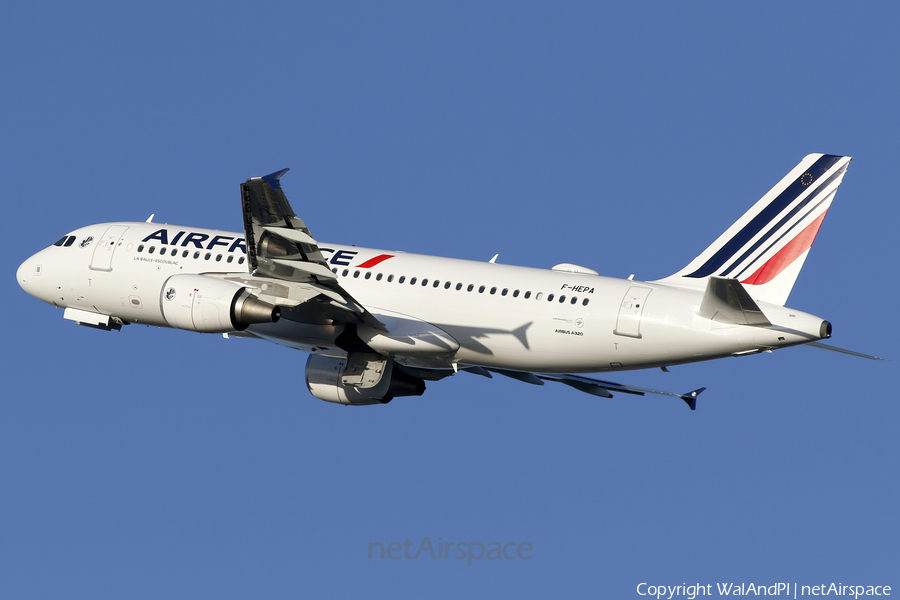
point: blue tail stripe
(782, 222)
(762, 220)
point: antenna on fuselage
(150, 218)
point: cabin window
(368, 274)
(346, 272)
(585, 301)
(515, 293)
(241, 260)
(503, 293)
(174, 252)
(151, 249)
(493, 291)
(574, 300)
(230, 257)
(402, 279)
(141, 248)
(334, 270)
(562, 299)
(458, 286)
(390, 278)
(436, 283)
(378, 277)
(197, 254)
(481, 289)
(208, 254)
(447, 285)
(537, 296)
(355, 274)
(470, 288)
(549, 298)
(184, 254)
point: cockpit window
(66, 240)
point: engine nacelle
(324, 378)
(212, 305)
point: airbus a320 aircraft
(377, 324)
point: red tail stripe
(784, 257)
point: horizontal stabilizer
(842, 350)
(726, 301)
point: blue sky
(625, 137)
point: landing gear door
(629, 321)
(106, 246)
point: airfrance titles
(196, 239)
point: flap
(280, 246)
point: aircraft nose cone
(23, 273)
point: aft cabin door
(629, 320)
(103, 252)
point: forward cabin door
(629, 321)
(106, 246)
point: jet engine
(212, 305)
(361, 378)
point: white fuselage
(502, 316)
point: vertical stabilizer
(765, 248)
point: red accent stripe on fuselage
(374, 261)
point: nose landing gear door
(103, 252)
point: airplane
(377, 324)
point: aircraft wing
(281, 248)
(595, 387)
